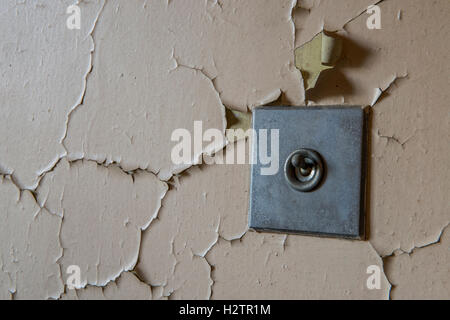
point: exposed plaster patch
(317, 55)
(238, 120)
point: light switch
(320, 186)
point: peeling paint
(97, 202)
(41, 65)
(29, 249)
(126, 287)
(271, 267)
(317, 55)
(174, 239)
(407, 269)
(85, 172)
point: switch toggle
(303, 170)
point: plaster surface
(85, 150)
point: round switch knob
(304, 170)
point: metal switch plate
(336, 207)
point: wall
(87, 178)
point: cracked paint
(407, 269)
(262, 266)
(126, 287)
(30, 247)
(98, 202)
(313, 16)
(42, 67)
(85, 169)
(110, 126)
(409, 108)
(175, 242)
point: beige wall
(87, 178)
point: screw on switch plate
(321, 188)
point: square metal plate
(336, 208)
